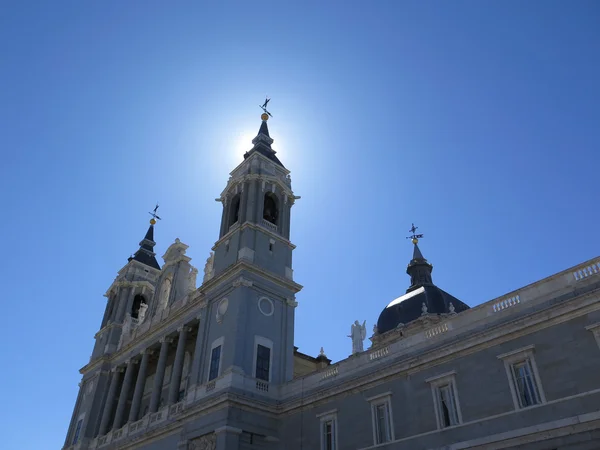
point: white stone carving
(266, 306)
(192, 279)
(358, 333)
(241, 281)
(125, 330)
(142, 313)
(165, 291)
(375, 330)
(206, 442)
(322, 353)
(451, 308)
(423, 309)
(208, 267)
(222, 309)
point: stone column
(196, 360)
(160, 374)
(138, 391)
(178, 365)
(228, 438)
(110, 400)
(124, 394)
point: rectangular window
(445, 400)
(447, 412)
(77, 431)
(381, 411)
(382, 423)
(215, 361)
(328, 433)
(263, 357)
(525, 385)
(523, 377)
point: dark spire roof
(409, 306)
(262, 143)
(146, 254)
(418, 269)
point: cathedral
(181, 367)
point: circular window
(266, 306)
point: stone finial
(322, 353)
(451, 308)
(424, 309)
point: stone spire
(262, 142)
(146, 254)
(418, 268)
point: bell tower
(249, 286)
(257, 201)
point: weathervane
(154, 215)
(415, 237)
(264, 108)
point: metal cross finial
(414, 236)
(264, 106)
(153, 213)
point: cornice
(255, 227)
(242, 264)
(127, 284)
(470, 343)
(233, 182)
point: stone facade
(215, 367)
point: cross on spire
(415, 237)
(154, 215)
(264, 107)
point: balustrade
(506, 303)
(592, 269)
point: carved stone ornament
(241, 281)
(358, 333)
(206, 442)
(208, 268)
(423, 309)
(222, 309)
(451, 308)
(142, 313)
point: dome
(409, 307)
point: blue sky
(477, 121)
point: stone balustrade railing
(165, 414)
(551, 287)
(543, 290)
(269, 225)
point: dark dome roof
(408, 307)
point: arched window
(135, 308)
(234, 211)
(270, 210)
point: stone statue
(142, 313)
(208, 268)
(375, 330)
(451, 308)
(125, 330)
(424, 309)
(192, 279)
(358, 333)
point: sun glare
(243, 143)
